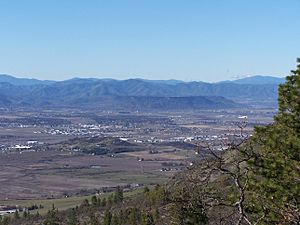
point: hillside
(138, 93)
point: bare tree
(225, 202)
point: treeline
(154, 206)
(114, 209)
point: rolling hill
(134, 93)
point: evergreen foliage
(275, 186)
(52, 217)
(72, 218)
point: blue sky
(208, 40)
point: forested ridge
(105, 93)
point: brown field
(22, 135)
(49, 174)
(195, 126)
(56, 170)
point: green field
(60, 204)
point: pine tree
(187, 207)
(25, 214)
(72, 218)
(119, 194)
(17, 215)
(99, 201)
(107, 218)
(94, 200)
(103, 202)
(146, 190)
(110, 199)
(52, 218)
(85, 202)
(276, 163)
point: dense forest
(255, 181)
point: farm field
(50, 154)
(51, 175)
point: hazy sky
(207, 40)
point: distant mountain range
(4, 78)
(258, 80)
(135, 93)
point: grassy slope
(61, 204)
